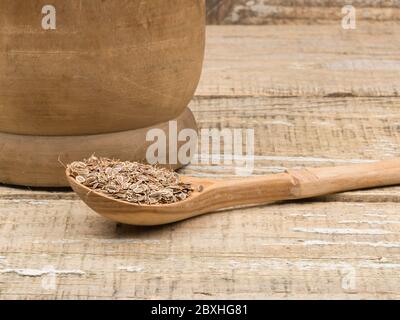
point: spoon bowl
(144, 215)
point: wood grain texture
(298, 12)
(309, 106)
(308, 250)
(301, 61)
(292, 132)
(342, 246)
(109, 66)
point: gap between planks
(297, 12)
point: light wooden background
(316, 95)
(297, 11)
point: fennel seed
(130, 181)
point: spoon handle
(306, 183)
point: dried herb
(130, 181)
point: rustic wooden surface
(298, 11)
(315, 96)
(302, 61)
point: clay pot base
(35, 160)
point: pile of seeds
(130, 181)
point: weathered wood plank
(289, 133)
(298, 12)
(301, 61)
(298, 132)
(307, 250)
(309, 131)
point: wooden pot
(108, 66)
(37, 160)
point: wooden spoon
(211, 195)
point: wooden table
(316, 95)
